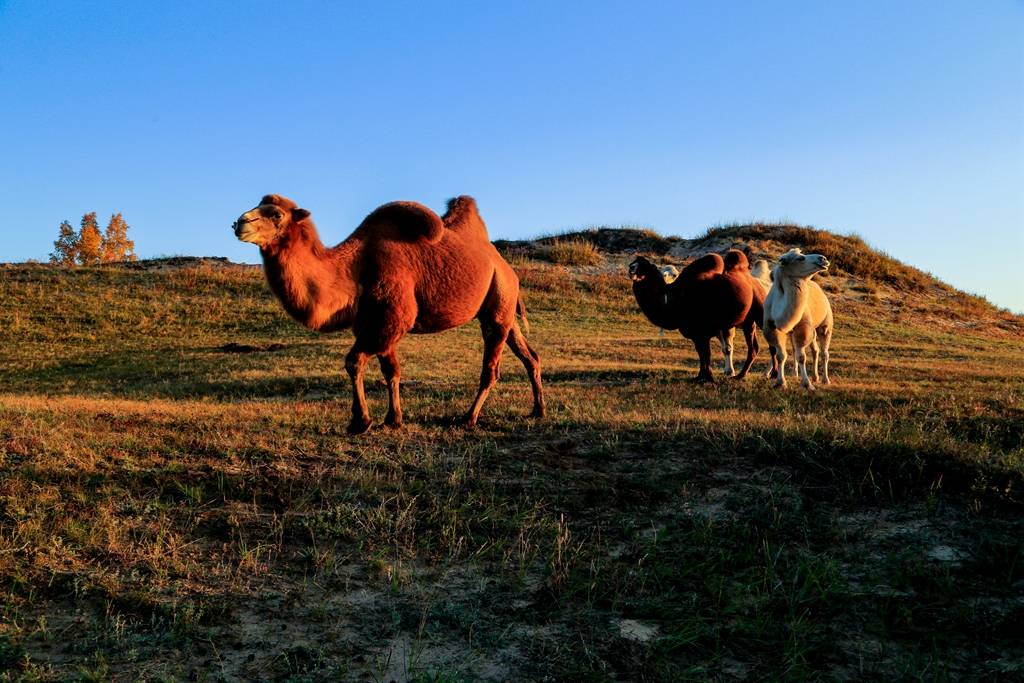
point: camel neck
(794, 296)
(317, 286)
(652, 294)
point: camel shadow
(232, 372)
(610, 377)
(207, 372)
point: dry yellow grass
(158, 495)
(573, 252)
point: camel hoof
(703, 379)
(537, 412)
(739, 377)
(466, 420)
(393, 423)
(359, 426)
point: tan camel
(404, 269)
(761, 271)
(796, 306)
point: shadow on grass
(760, 582)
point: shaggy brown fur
(710, 297)
(404, 269)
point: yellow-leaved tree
(90, 241)
(116, 245)
(88, 246)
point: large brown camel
(710, 298)
(404, 269)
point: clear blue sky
(901, 121)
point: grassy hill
(179, 499)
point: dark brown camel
(404, 269)
(710, 298)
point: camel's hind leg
(801, 364)
(391, 370)
(726, 337)
(750, 336)
(494, 344)
(531, 361)
(814, 356)
(826, 342)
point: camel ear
(299, 215)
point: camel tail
(462, 214)
(521, 311)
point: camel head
(795, 263)
(270, 221)
(641, 269)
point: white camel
(762, 272)
(797, 307)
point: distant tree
(65, 249)
(90, 241)
(116, 246)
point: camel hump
(736, 260)
(404, 222)
(462, 213)
(706, 266)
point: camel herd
(407, 270)
(712, 296)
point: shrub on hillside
(849, 253)
(574, 252)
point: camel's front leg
(726, 337)
(780, 357)
(494, 344)
(703, 347)
(771, 336)
(392, 375)
(355, 364)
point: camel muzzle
(239, 226)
